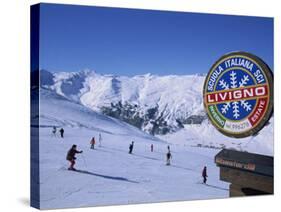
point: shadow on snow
(106, 176)
(217, 187)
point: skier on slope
(204, 174)
(71, 156)
(54, 131)
(131, 147)
(61, 132)
(93, 142)
(100, 139)
(169, 156)
(151, 147)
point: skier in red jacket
(93, 142)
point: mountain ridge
(155, 104)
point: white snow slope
(109, 175)
(205, 135)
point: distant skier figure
(54, 131)
(71, 156)
(93, 142)
(61, 132)
(151, 147)
(131, 147)
(100, 139)
(168, 147)
(204, 174)
(169, 156)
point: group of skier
(168, 155)
(54, 131)
(73, 151)
(168, 159)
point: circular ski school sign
(238, 94)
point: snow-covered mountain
(169, 107)
(155, 104)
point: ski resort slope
(109, 175)
(205, 135)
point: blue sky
(130, 42)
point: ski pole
(84, 161)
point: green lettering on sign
(220, 121)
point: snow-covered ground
(109, 175)
(205, 135)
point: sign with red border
(238, 94)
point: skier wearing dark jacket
(54, 130)
(61, 132)
(71, 156)
(169, 156)
(204, 174)
(131, 147)
(151, 147)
